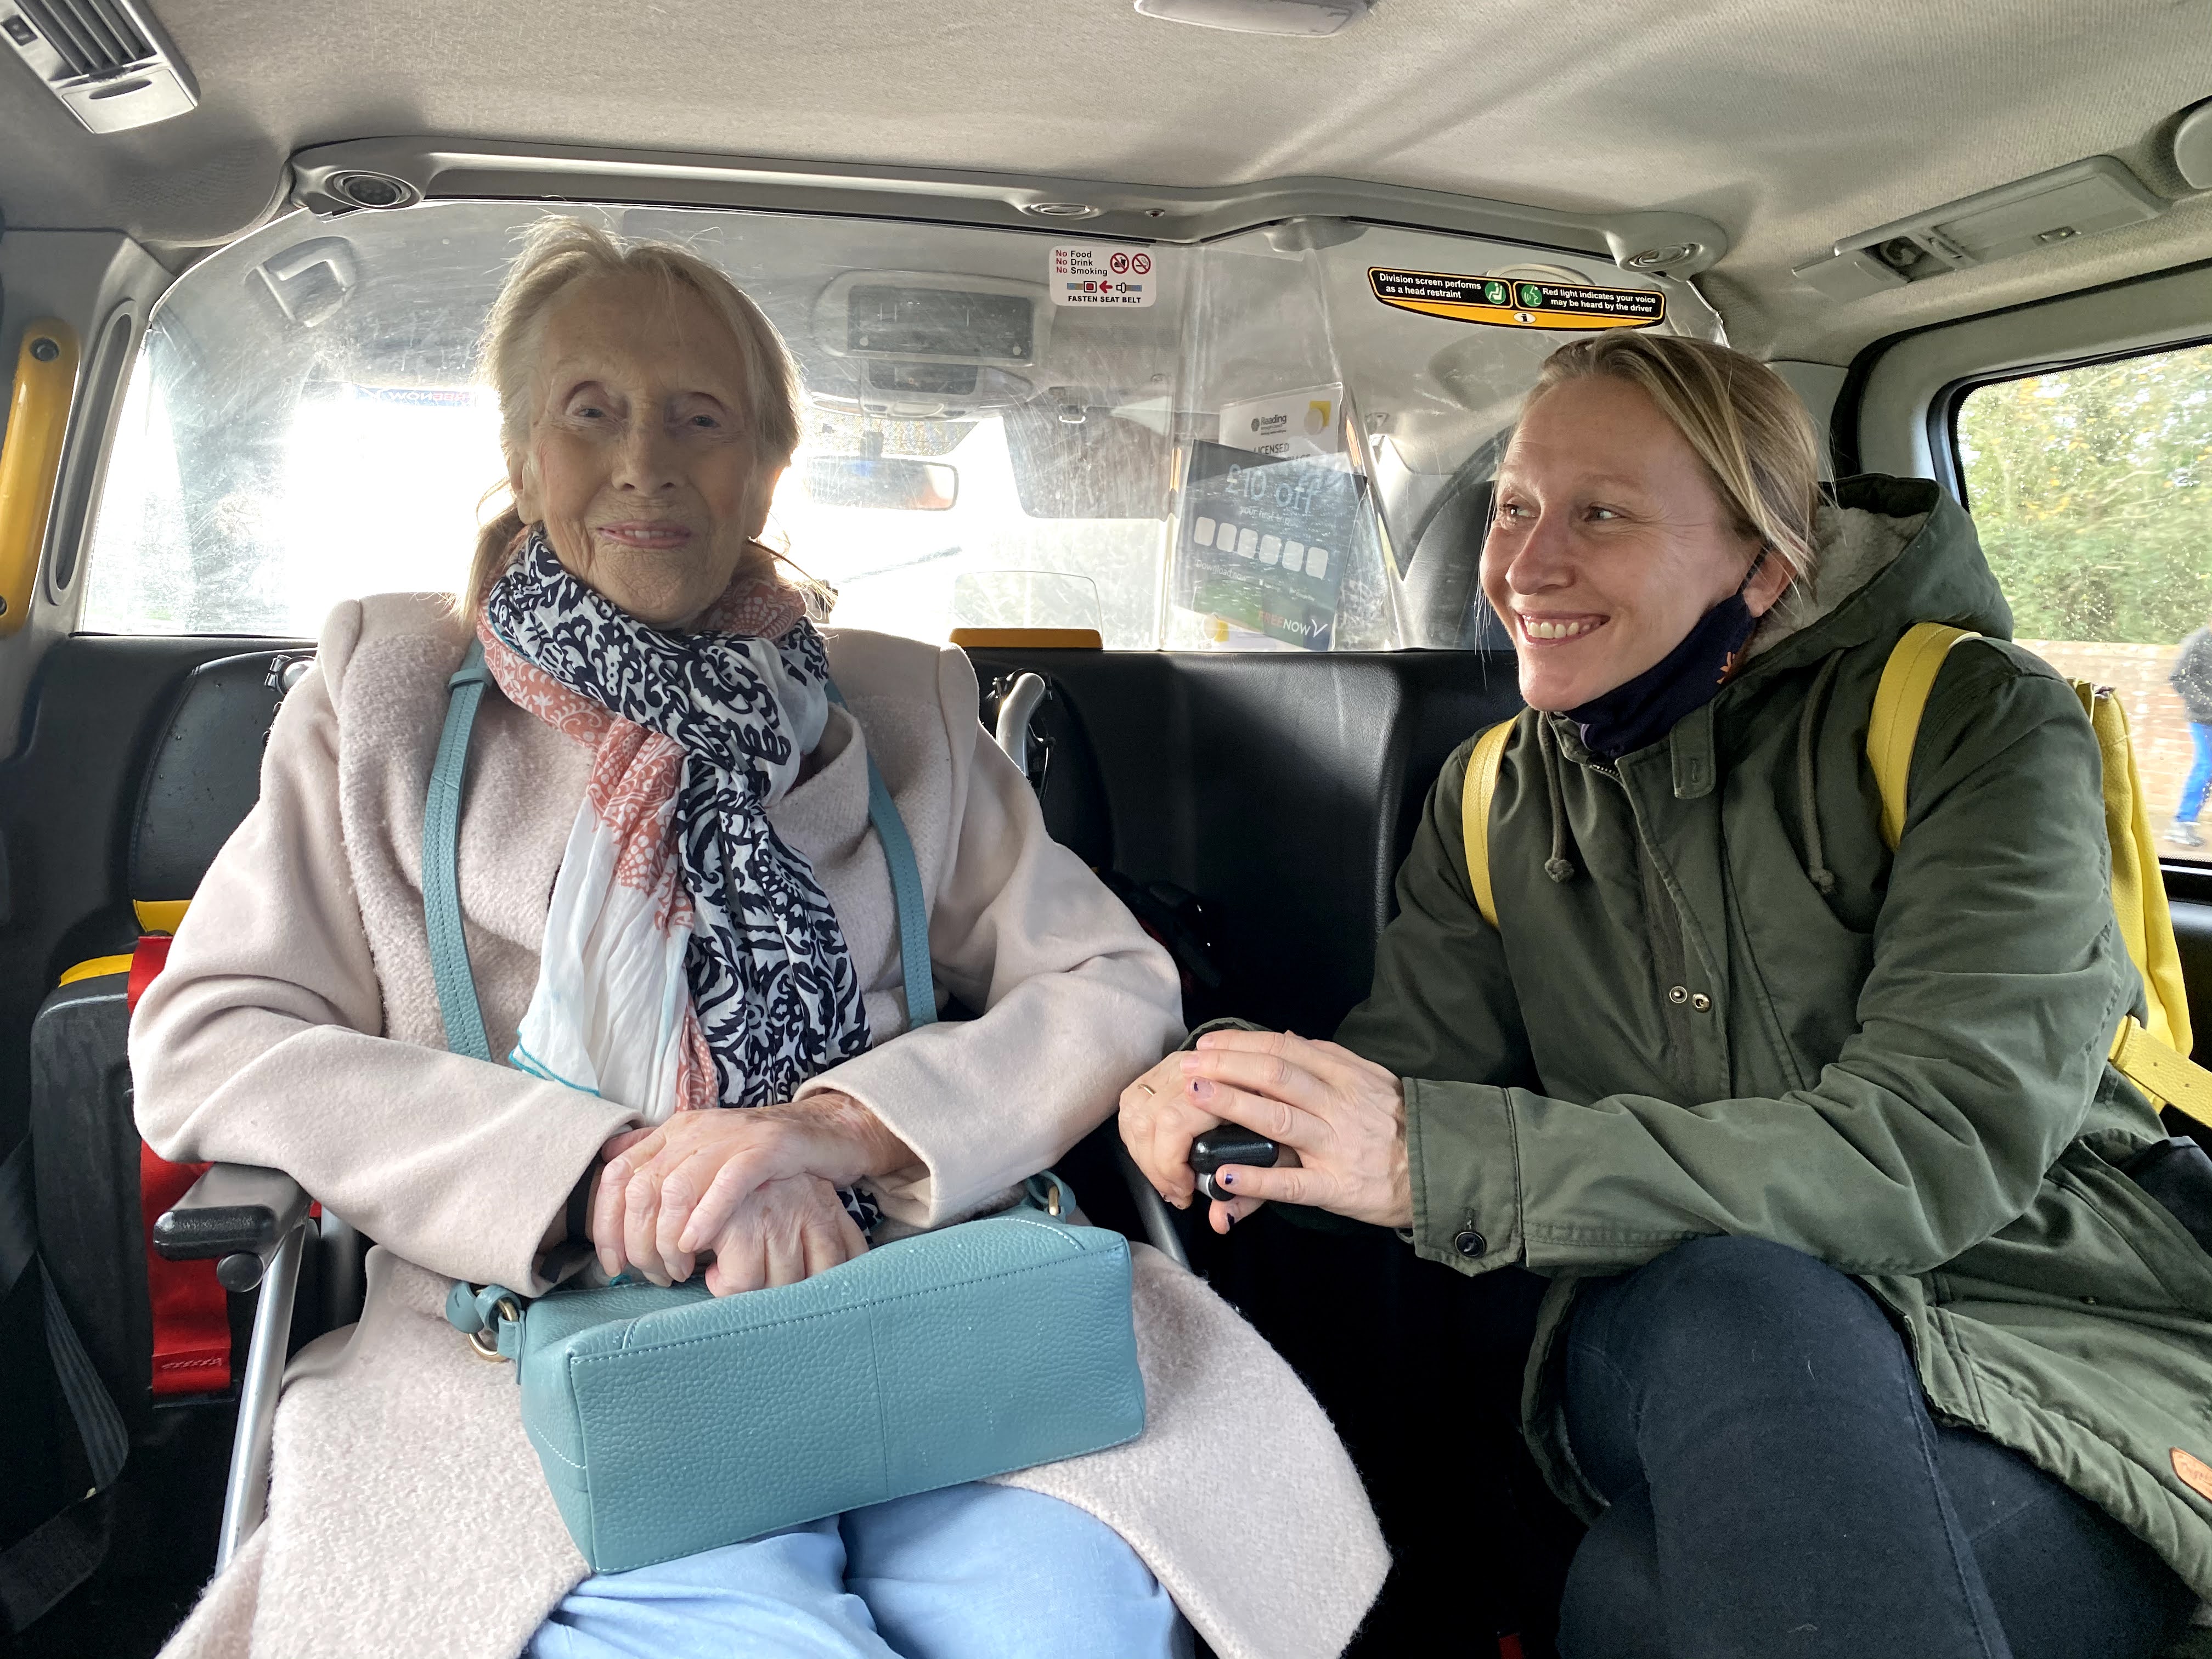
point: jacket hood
(1893, 552)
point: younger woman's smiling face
(1608, 542)
(640, 464)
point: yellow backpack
(2151, 1053)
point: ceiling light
(1655, 258)
(373, 190)
(1305, 17)
(2079, 199)
(2192, 147)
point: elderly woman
(674, 902)
(1858, 1341)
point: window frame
(2187, 881)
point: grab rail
(31, 458)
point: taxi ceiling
(1790, 125)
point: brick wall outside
(2155, 720)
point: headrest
(203, 776)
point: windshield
(1280, 440)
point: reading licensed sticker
(1516, 302)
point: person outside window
(2192, 678)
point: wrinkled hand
(780, 1233)
(1345, 1116)
(1159, 1120)
(668, 1193)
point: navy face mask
(1643, 710)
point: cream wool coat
(297, 1026)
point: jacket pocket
(2163, 1249)
(2092, 1239)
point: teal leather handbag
(670, 1421)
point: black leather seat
(201, 777)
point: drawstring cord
(1808, 807)
(1561, 869)
(1557, 866)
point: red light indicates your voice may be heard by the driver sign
(1516, 302)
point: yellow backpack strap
(2154, 1058)
(1483, 764)
(2138, 890)
(1898, 702)
(2167, 1077)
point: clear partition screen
(1279, 441)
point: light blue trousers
(970, 1572)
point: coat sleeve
(260, 1042)
(1075, 999)
(1998, 977)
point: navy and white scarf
(695, 735)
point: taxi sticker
(1514, 302)
(1101, 275)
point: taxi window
(1280, 441)
(2088, 487)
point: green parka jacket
(1741, 1014)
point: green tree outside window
(2089, 490)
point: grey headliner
(1790, 124)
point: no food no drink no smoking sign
(1093, 273)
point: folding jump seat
(141, 1347)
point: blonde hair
(1742, 419)
(560, 253)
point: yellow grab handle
(31, 458)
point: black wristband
(579, 1205)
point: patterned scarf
(691, 957)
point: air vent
(108, 60)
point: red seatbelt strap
(146, 962)
(191, 1310)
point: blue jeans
(1777, 1487)
(2200, 776)
(970, 1572)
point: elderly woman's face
(1609, 543)
(639, 463)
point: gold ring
(1146, 1087)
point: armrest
(233, 1210)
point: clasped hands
(755, 1189)
(1343, 1116)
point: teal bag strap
(906, 889)
(442, 883)
(1045, 1191)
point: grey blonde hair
(560, 253)
(1742, 419)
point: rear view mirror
(872, 481)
